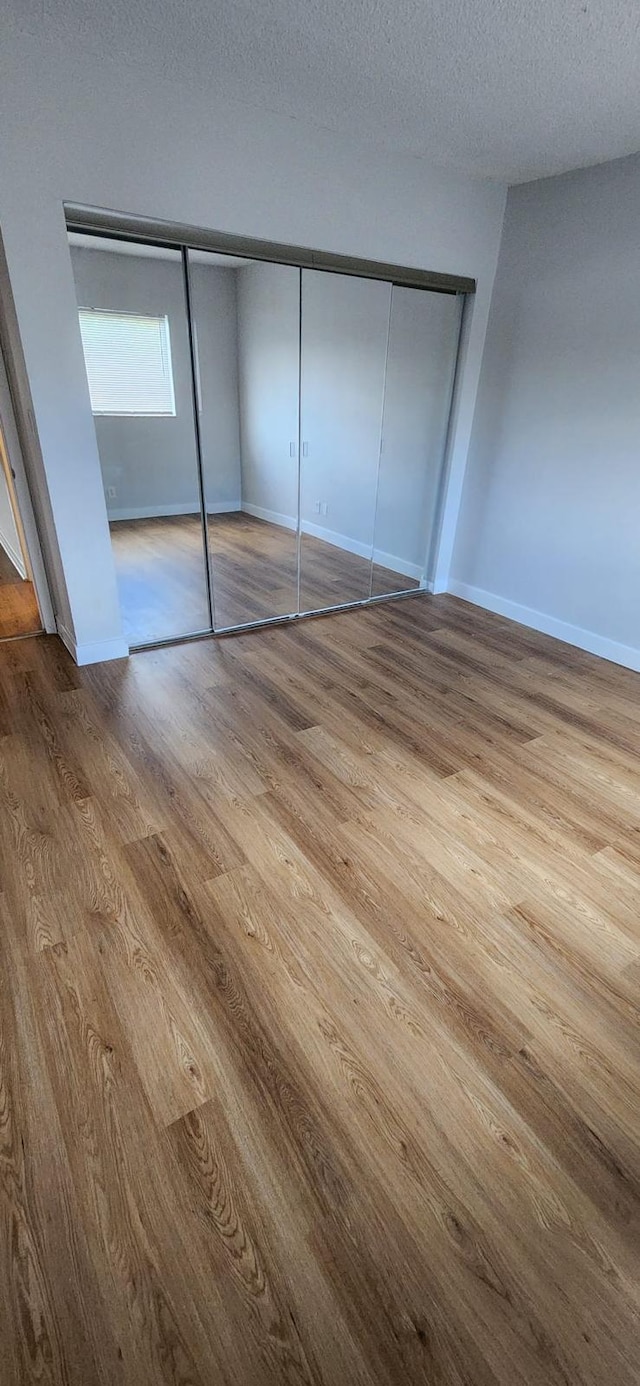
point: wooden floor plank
(254, 570)
(19, 614)
(319, 1055)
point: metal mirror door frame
(99, 222)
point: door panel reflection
(246, 327)
(345, 324)
(423, 341)
(135, 336)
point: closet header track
(98, 221)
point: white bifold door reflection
(377, 368)
(424, 329)
(344, 333)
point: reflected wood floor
(19, 614)
(162, 582)
(319, 1000)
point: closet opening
(22, 591)
(271, 435)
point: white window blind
(128, 360)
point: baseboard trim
(339, 541)
(14, 557)
(272, 517)
(93, 652)
(333, 536)
(398, 565)
(626, 655)
(157, 512)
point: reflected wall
(345, 325)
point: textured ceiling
(514, 89)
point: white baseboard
(155, 512)
(95, 652)
(588, 640)
(152, 512)
(273, 517)
(398, 565)
(343, 541)
(225, 507)
(339, 541)
(14, 556)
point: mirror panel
(344, 330)
(246, 329)
(271, 438)
(134, 327)
(423, 342)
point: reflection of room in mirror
(246, 323)
(146, 437)
(344, 342)
(321, 402)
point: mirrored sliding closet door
(271, 436)
(422, 349)
(246, 327)
(344, 332)
(135, 336)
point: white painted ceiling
(513, 89)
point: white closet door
(421, 360)
(344, 332)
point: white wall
(268, 370)
(549, 528)
(344, 343)
(87, 126)
(9, 537)
(151, 462)
(365, 352)
(214, 298)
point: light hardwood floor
(19, 613)
(162, 582)
(319, 1001)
